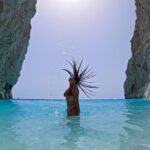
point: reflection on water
(8, 131)
(72, 138)
(103, 125)
(79, 137)
(137, 126)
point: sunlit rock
(137, 84)
(15, 18)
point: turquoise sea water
(102, 125)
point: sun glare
(69, 4)
(71, 11)
(70, 1)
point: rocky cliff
(137, 84)
(15, 18)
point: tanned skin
(78, 79)
(72, 98)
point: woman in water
(78, 79)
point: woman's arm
(75, 92)
(65, 93)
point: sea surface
(102, 125)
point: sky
(99, 31)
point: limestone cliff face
(137, 84)
(15, 18)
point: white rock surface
(15, 18)
(137, 84)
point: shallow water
(102, 125)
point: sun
(74, 5)
(71, 11)
(70, 1)
(65, 8)
(66, 4)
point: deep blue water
(102, 125)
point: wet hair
(81, 76)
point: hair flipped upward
(81, 76)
